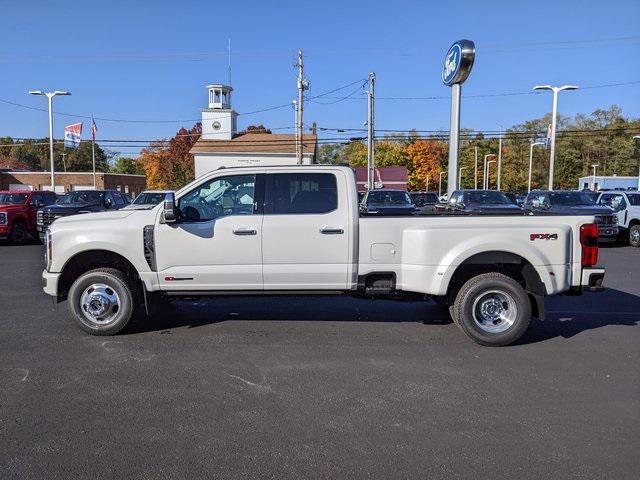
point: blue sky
(152, 60)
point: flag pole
(93, 150)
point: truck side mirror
(108, 203)
(169, 210)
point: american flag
(94, 129)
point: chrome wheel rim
(99, 304)
(635, 235)
(494, 311)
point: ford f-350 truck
(298, 230)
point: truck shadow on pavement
(569, 316)
(566, 316)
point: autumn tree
(427, 158)
(168, 164)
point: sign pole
(454, 139)
(458, 63)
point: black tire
(492, 291)
(115, 283)
(19, 233)
(634, 236)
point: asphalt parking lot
(318, 388)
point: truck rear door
(306, 231)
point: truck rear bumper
(592, 279)
(50, 283)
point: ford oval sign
(458, 62)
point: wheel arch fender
(89, 259)
(499, 253)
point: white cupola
(219, 121)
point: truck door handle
(331, 231)
(244, 231)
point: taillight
(589, 242)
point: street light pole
(500, 158)
(460, 177)
(488, 168)
(554, 121)
(427, 182)
(637, 137)
(50, 96)
(531, 161)
(484, 172)
(475, 174)
(593, 177)
(440, 184)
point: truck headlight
(48, 245)
(40, 217)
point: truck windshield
(149, 198)
(13, 198)
(486, 198)
(571, 199)
(388, 198)
(634, 199)
(82, 197)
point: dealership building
(70, 181)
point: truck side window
(301, 193)
(219, 197)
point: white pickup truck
(298, 230)
(627, 208)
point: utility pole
(64, 165)
(295, 127)
(302, 86)
(475, 175)
(371, 152)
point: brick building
(69, 181)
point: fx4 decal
(543, 236)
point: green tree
(127, 165)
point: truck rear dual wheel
(102, 301)
(492, 309)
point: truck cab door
(216, 243)
(307, 231)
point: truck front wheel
(634, 236)
(492, 309)
(102, 301)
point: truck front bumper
(50, 283)
(592, 279)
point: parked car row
(616, 213)
(27, 214)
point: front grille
(3, 218)
(48, 217)
(606, 219)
